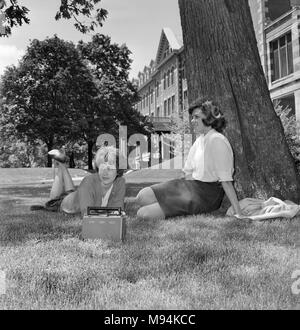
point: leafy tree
(109, 64)
(223, 64)
(63, 95)
(180, 128)
(18, 153)
(69, 9)
(43, 96)
(291, 128)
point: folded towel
(258, 209)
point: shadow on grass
(275, 231)
(45, 226)
(26, 191)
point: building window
(152, 94)
(166, 52)
(157, 89)
(165, 108)
(185, 100)
(169, 106)
(172, 76)
(183, 73)
(164, 81)
(157, 112)
(281, 57)
(168, 78)
(173, 103)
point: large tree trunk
(72, 161)
(90, 154)
(49, 147)
(223, 64)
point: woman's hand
(189, 177)
(252, 209)
(243, 218)
(231, 194)
(241, 215)
(186, 176)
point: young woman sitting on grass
(208, 173)
(106, 187)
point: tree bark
(223, 64)
(72, 161)
(90, 154)
(49, 147)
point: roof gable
(167, 41)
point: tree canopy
(109, 65)
(16, 14)
(43, 95)
(62, 94)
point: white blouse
(210, 158)
(106, 197)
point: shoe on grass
(37, 207)
(57, 155)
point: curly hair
(108, 154)
(213, 115)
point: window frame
(281, 50)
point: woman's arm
(231, 194)
(86, 194)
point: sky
(137, 23)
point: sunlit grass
(200, 262)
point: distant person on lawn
(208, 173)
(106, 187)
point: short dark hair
(213, 115)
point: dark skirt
(187, 197)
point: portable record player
(105, 223)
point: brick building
(162, 85)
(276, 26)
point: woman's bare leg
(70, 204)
(62, 181)
(146, 197)
(58, 185)
(151, 212)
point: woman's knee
(146, 196)
(150, 212)
(143, 214)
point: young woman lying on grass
(106, 187)
(208, 173)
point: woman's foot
(37, 207)
(57, 155)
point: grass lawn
(199, 262)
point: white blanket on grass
(258, 209)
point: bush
(291, 128)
